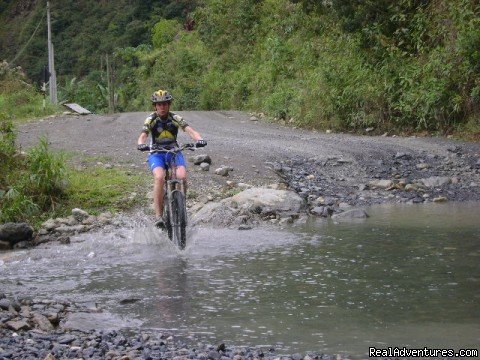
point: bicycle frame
(175, 210)
(172, 184)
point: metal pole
(51, 62)
(111, 106)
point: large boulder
(14, 233)
(248, 205)
(269, 200)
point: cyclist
(162, 126)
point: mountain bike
(174, 200)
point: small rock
(72, 229)
(90, 220)
(4, 304)
(79, 214)
(223, 171)
(245, 227)
(422, 166)
(381, 184)
(18, 325)
(205, 166)
(403, 155)
(410, 187)
(318, 210)
(352, 214)
(66, 339)
(64, 239)
(369, 129)
(440, 199)
(42, 322)
(72, 221)
(253, 118)
(107, 215)
(436, 181)
(50, 224)
(203, 158)
(15, 232)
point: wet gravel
(35, 329)
(115, 344)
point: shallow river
(407, 276)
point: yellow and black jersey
(163, 130)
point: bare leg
(158, 182)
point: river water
(407, 276)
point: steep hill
(82, 30)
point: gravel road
(338, 164)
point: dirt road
(333, 163)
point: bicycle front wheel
(167, 218)
(179, 220)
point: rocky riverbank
(36, 329)
(22, 235)
(333, 185)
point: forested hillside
(341, 64)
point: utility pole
(51, 62)
(111, 96)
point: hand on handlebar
(143, 147)
(200, 143)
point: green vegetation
(30, 183)
(39, 184)
(95, 189)
(19, 100)
(344, 65)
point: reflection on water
(407, 276)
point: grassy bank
(39, 184)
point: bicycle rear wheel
(179, 220)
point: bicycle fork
(172, 186)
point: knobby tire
(179, 220)
(167, 218)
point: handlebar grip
(143, 147)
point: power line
(28, 42)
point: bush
(30, 184)
(18, 98)
(164, 32)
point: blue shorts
(163, 159)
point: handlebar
(164, 149)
